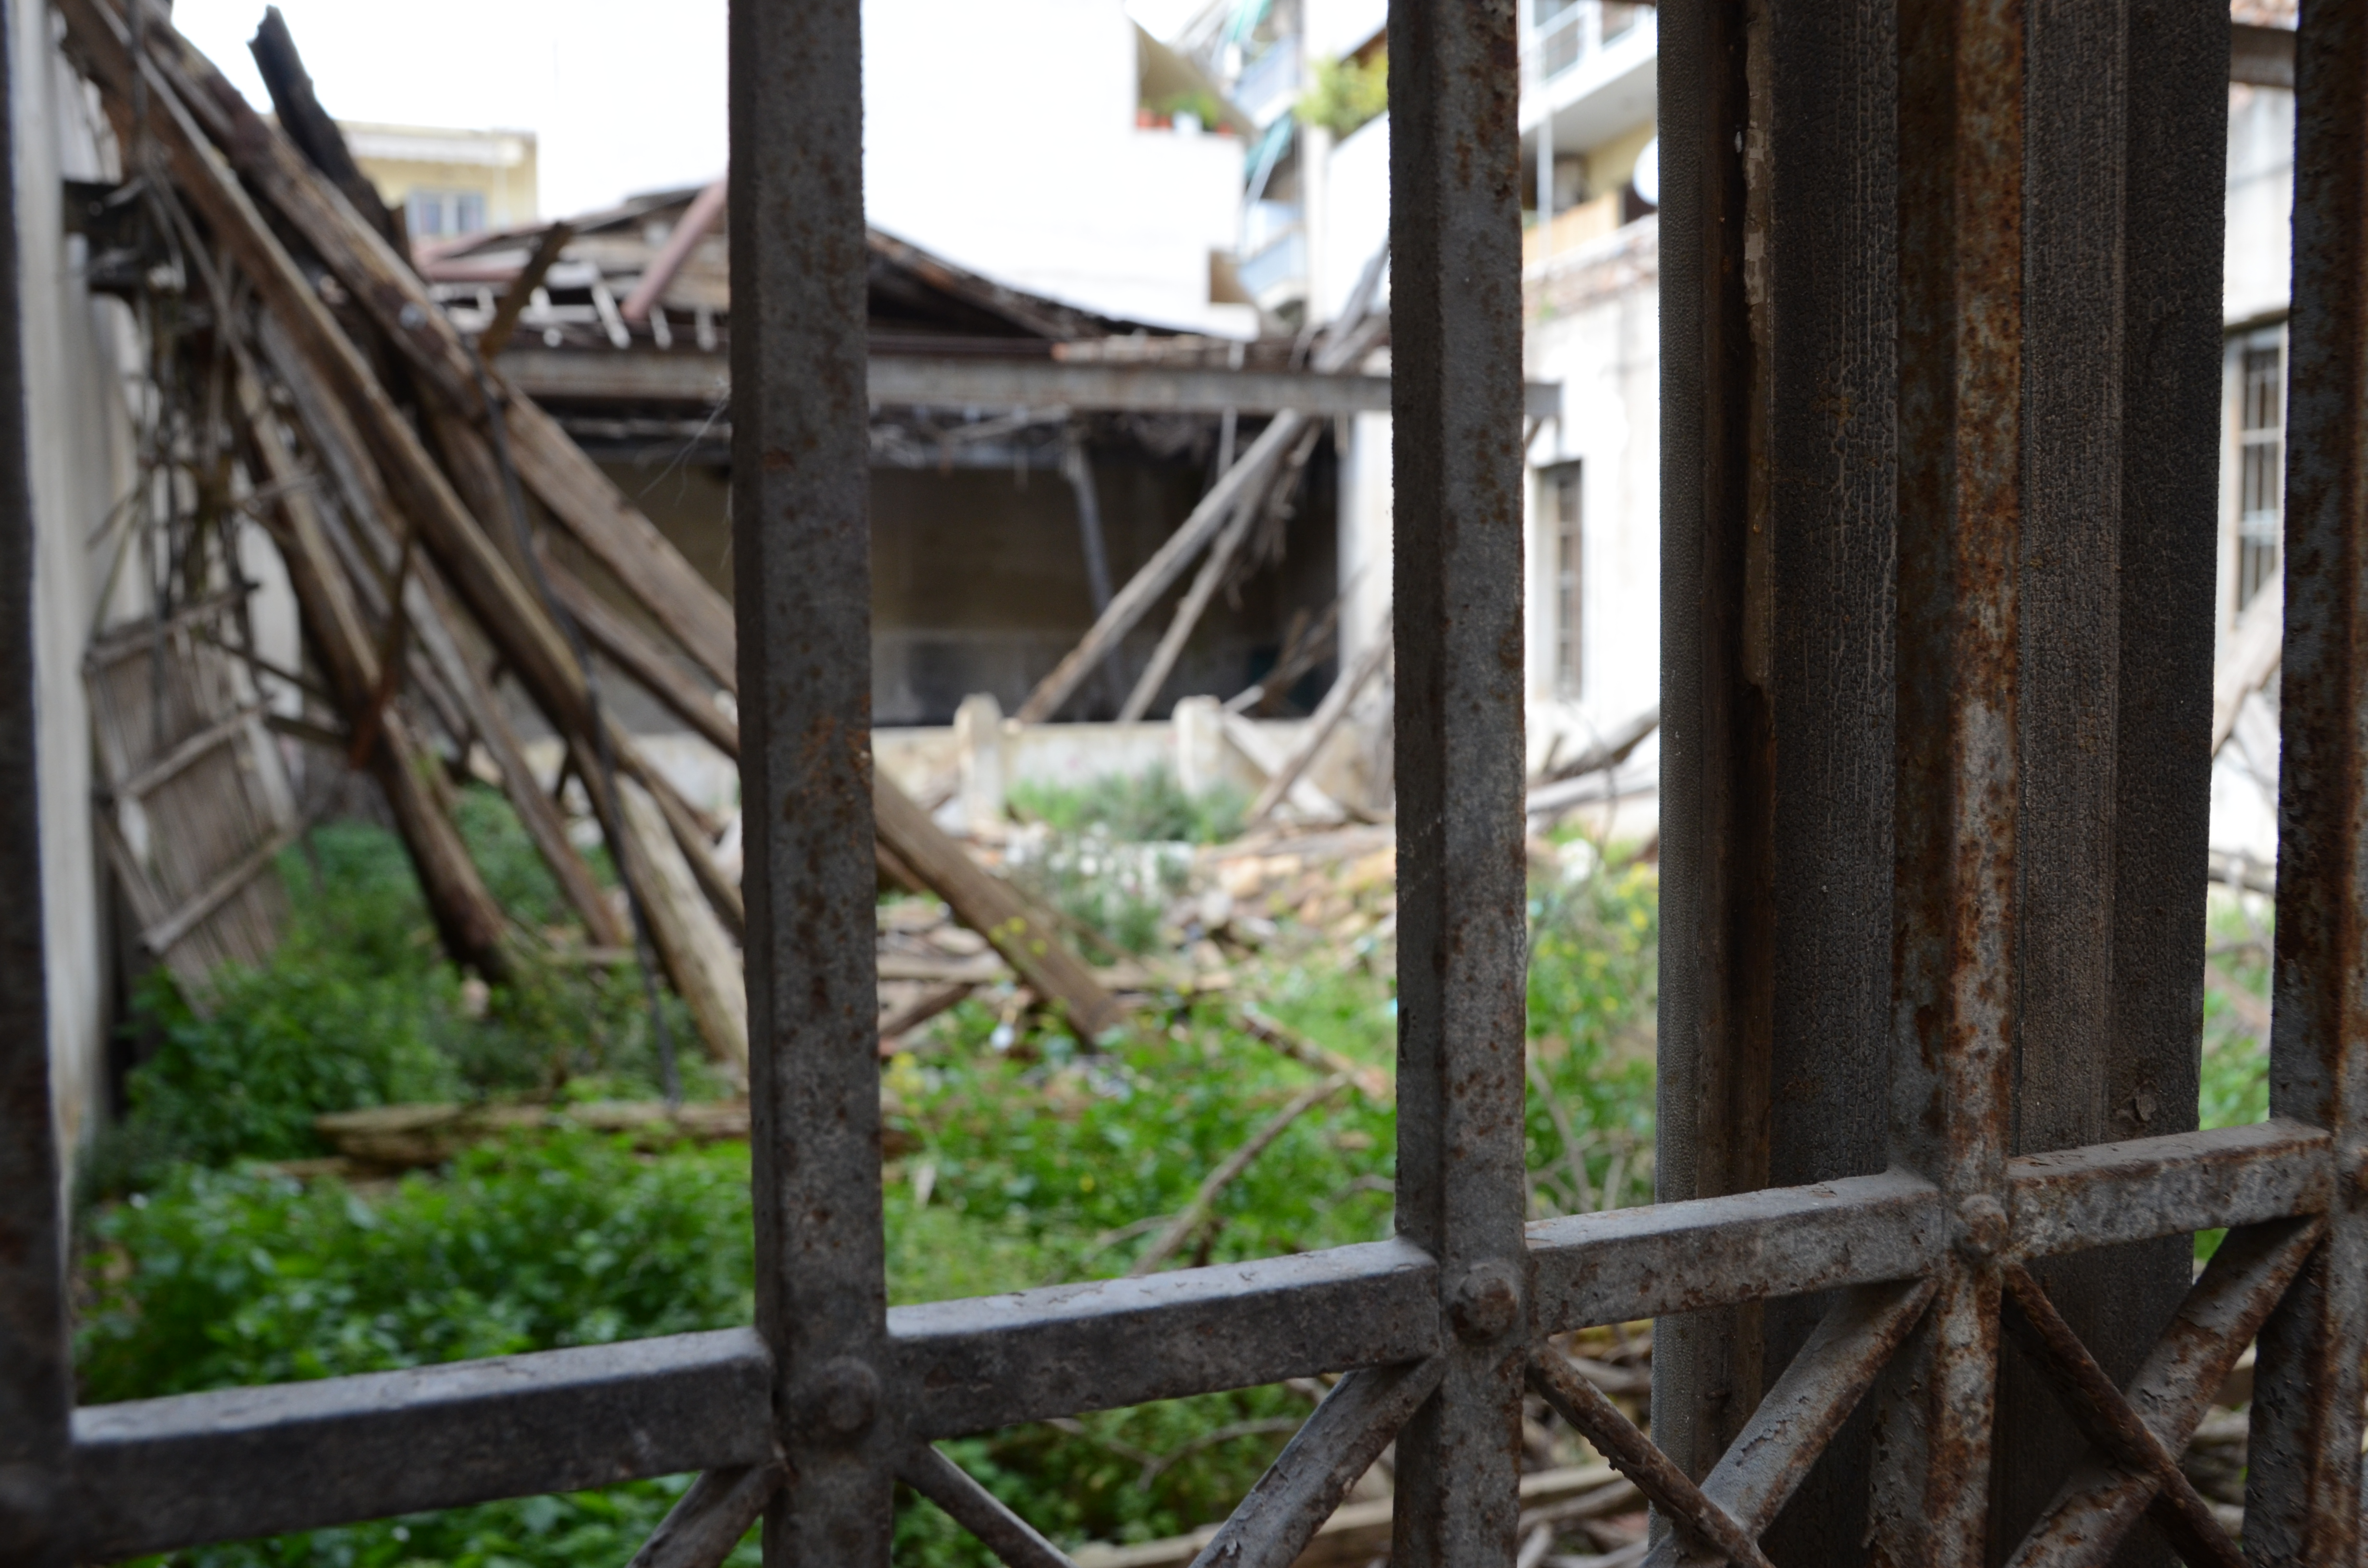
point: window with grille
(2261, 472)
(436, 215)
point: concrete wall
(79, 439)
(2261, 201)
(978, 579)
(1594, 314)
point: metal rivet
(1984, 1219)
(1487, 1302)
(845, 1397)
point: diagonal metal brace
(2223, 1310)
(1629, 1452)
(1773, 1455)
(2106, 1419)
(701, 1529)
(1323, 1459)
(977, 1510)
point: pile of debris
(412, 495)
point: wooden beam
(574, 376)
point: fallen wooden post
(1328, 715)
(469, 922)
(407, 1137)
(1179, 1230)
(697, 953)
(994, 909)
(919, 1011)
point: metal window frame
(814, 1414)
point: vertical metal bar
(802, 548)
(2302, 1492)
(1456, 401)
(36, 1386)
(1706, 366)
(1961, 177)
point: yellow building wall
(497, 167)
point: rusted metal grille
(1947, 1247)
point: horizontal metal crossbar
(153, 1474)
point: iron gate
(810, 1417)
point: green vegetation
(358, 1008)
(2235, 1059)
(1347, 93)
(1149, 807)
(1199, 103)
(1019, 1158)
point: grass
(1020, 1159)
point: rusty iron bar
(2177, 1383)
(1273, 1525)
(708, 1521)
(160, 1474)
(801, 530)
(36, 1358)
(1684, 1505)
(2303, 1487)
(1953, 987)
(2072, 1200)
(977, 1510)
(1799, 1417)
(2106, 1418)
(157, 1474)
(1457, 408)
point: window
(1558, 508)
(439, 214)
(2260, 466)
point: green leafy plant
(1149, 807)
(1023, 1158)
(1347, 93)
(359, 1007)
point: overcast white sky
(622, 95)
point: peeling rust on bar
(1856, 1340)
(2171, 1391)
(2112, 1193)
(152, 1475)
(1678, 1257)
(2107, 1420)
(989, 1361)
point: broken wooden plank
(1132, 602)
(705, 208)
(470, 923)
(309, 125)
(1329, 713)
(431, 614)
(549, 464)
(994, 909)
(699, 954)
(634, 652)
(521, 288)
(410, 1136)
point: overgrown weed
(1022, 1157)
